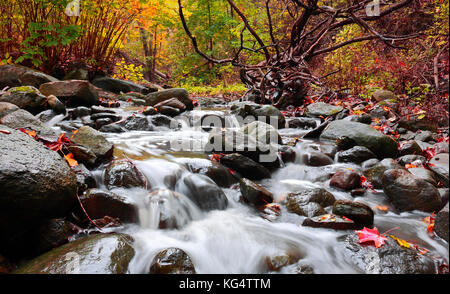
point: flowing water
(238, 240)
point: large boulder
(357, 154)
(99, 204)
(22, 119)
(391, 258)
(319, 109)
(27, 97)
(37, 184)
(408, 192)
(374, 173)
(358, 212)
(181, 94)
(172, 261)
(95, 142)
(16, 76)
(363, 135)
(96, 254)
(73, 93)
(6, 108)
(346, 179)
(118, 86)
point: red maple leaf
(371, 235)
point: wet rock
(304, 270)
(172, 102)
(112, 128)
(123, 173)
(357, 192)
(358, 212)
(275, 263)
(16, 76)
(441, 223)
(262, 133)
(408, 159)
(161, 120)
(217, 172)
(99, 204)
(287, 153)
(22, 119)
(379, 112)
(114, 117)
(80, 112)
(36, 182)
(363, 135)
(83, 155)
(439, 164)
(357, 154)
(322, 109)
(346, 179)
(375, 173)
(381, 95)
(53, 233)
(330, 221)
(170, 210)
(314, 158)
(168, 110)
(172, 261)
(263, 113)
(390, 258)
(118, 86)
(204, 192)
(302, 123)
(329, 150)
(424, 174)
(99, 123)
(409, 148)
(96, 254)
(85, 179)
(364, 118)
(56, 105)
(100, 109)
(27, 98)
(181, 94)
(136, 123)
(150, 110)
(444, 192)
(7, 108)
(441, 147)
(309, 202)
(74, 93)
(255, 194)
(408, 192)
(94, 141)
(424, 136)
(245, 166)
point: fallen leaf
(401, 242)
(5, 132)
(71, 160)
(371, 235)
(382, 207)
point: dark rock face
(181, 94)
(309, 202)
(217, 172)
(99, 204)
(408, 192)
(117, 86)
(363, 135)
(85, 179)
(441, 223)
(27, 98)
(53, 233)
(95, 142)
(245, 166)
(330, 221)
(314, 158)
(406, 159)
(360, 213)
(112, 128)
(390, 258)
(410, 148)
(172, 261)
(23, 119)
(96, 254)
(439, 164)
(346, 179)
(357, 154)
(255, 194)
(73, 93)
(123, 173)
(204, 192)
(424, 174)
(36, 182)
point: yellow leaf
(421, 116)
(401, 242)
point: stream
(238, 240)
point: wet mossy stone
(95, 254)
(172, 261)
(25, 97)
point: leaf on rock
(371, 235)
(70, 160)
(401, 242)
